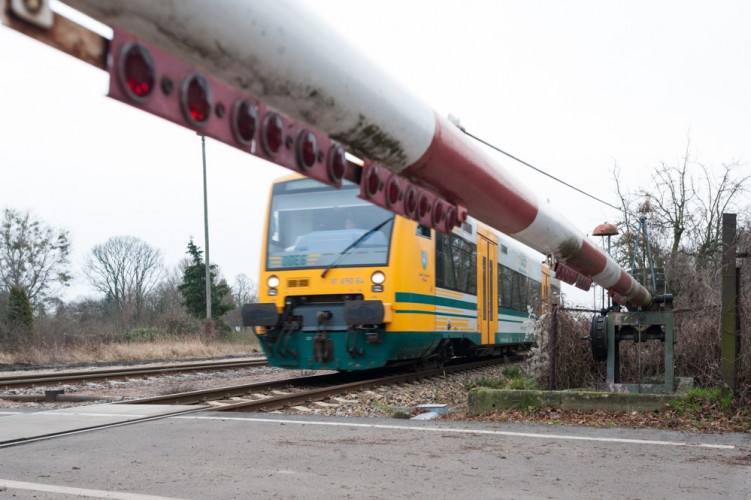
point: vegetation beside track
(704, 415)
(97, 350)
(704, 409)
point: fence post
(553, 347)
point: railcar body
(346, 285)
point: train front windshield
(311, 225)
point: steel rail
(108, 373)
(308, 395)
(202, 396)
(275, 403)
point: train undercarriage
(337, 333)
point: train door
(487, 294)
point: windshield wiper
(354, 244)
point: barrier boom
(281, 53)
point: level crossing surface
(219, 455)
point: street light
(605, 229)
(206, 230)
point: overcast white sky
(571, 87)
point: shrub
(19, 315)
(141, 335)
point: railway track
(8, 382)
(269, 396)
(257, 397)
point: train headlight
(377, 278)
(272, 282)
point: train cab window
(423, 231)
(455, 264)
(311, 225)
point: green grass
(514, 379)
(699, 397)
(392, 411)
(148, 334)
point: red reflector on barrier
(337, 164)
(196, 100)
(437, 212)
(410, 203)
(273, 133)
(450, 219)
(565, 273)
(372, 181)
(307, 149)
(244, 121)
(137, 71)
(583, 282)
(393, 191)
(423, 206)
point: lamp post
(605, 229)
(206, 230)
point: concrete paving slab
(239, 456)
(26, 426)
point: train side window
(455, 264)
(516, 290)
(423, 231)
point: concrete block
(482, 400)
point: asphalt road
(213, 455)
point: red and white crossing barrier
(281, 53)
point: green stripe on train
(419, 298)
(451, 315)
(513, 312)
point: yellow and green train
(346, 285)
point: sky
(573, 88)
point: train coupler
(373, 337)
(323, 348)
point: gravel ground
(398, 401)
(395, 400)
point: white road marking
(66, 490)
(473, 431)
(85, 414)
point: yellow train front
(346, 285)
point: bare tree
(32, 255)
(719, 197)
(125, 269)
(684, 211)
(633, 207)
(244, 291)
(670, 200)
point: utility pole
(730, 324)
(206, 230)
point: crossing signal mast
(271, 79)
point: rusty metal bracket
(35, 18)
(36, 12)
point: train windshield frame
(310, 225)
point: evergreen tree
(19, 309)
(193, 287)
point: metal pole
(728, 366)
(552, 382)
(609, 255)
(206, 230)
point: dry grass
(107, 352)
